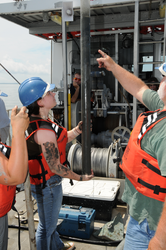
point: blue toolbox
(76, 221)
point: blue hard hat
(162, 69)
(32, 89)
(3, 94)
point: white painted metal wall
(57, 63)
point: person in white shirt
(4, 121)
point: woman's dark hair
(33, 108)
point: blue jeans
(49, 201)
(138, 235)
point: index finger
(14, 111)
(101, 52)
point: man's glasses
(75, 78)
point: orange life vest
(139, 167)
(38, 167)
(7, 193)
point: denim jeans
(49, 201)
(138, 235)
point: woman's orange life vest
(7, 193)
(38, 167)
(139, 167)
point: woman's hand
(20, 120)
(87, 177)
(79, 127)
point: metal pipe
(85, 85)
(64, 50)
(164, 37)
(69, 111)
(157, 58)
(116, 60)
(136, 58)
(29, 206)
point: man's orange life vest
(7, 193)
(38, 167)
(139, 167)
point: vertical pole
(164, 44)
(157, 58)
(85, 85)
(29, 206)
(69, 111)
(64, 51)
(136, 53)
(116, 60)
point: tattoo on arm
(52, 156)
(63, 169)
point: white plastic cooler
(100, 195)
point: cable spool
(104, 161)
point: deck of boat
(79, 243)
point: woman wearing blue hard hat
(46, 141)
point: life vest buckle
(156, 189)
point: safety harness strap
(151, 167)
(43, 173)
(157, 189)
(69, 167)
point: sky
(22, 54)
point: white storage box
(100, 195)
